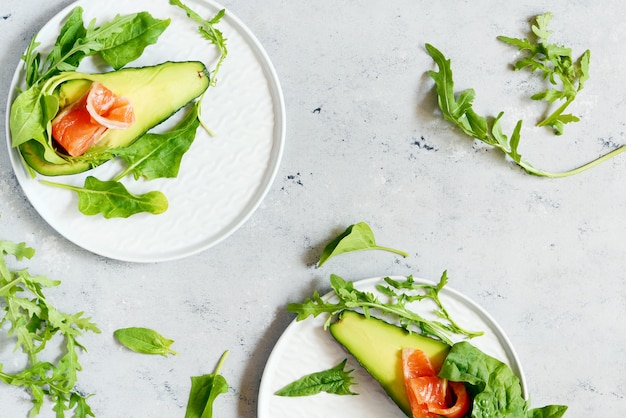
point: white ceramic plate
(222, 180)
(305, 348)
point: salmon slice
(429, 395)
(80, 125)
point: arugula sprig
(33, 322)
(208, 29)
(458, 110)
(556, 64)
(399, 293)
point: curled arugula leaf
(556, 64)
(399, 293)
(459, 111)
(34, 322)
(357, 237)
(335, 381)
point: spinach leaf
(144, 340)
(498, 392)
(336, 381)
(26, 119)
(159, 155)
(124, 40)
(204, 390)
(112, 199)
(357, 237)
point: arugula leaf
(498, 392)
(204, 390)
(119, 41)
(356, 237)
(336, 381)
(112, 199)
(144, 340)
(556, 64)
(459, 112)
(33, 322)
(159, 155)
(399, 294)
(208, 30)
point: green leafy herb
(112, 199)
(399, 293)
(33, 322)
(460, 112)
(204, 390)
(208, 30)
(492, 382)
(556, 64)
(144, 341)
(336, 381)
(159, 155)
(357, 237)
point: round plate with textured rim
(305, 347)
(223, 178)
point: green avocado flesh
(156, 93)
(377, 346)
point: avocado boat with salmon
(153, 94)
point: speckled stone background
(365, 142)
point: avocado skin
(156, 92)
(377, 346)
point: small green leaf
(113, 200)
(204, 390)
(144, 341)
(336, 381)
(357, 237)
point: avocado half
(377, 346)
(156, 92)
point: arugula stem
(392, 250)
(221, 362)
(577, 170)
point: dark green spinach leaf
(336, 381)
(497, 389)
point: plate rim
(274, 160)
